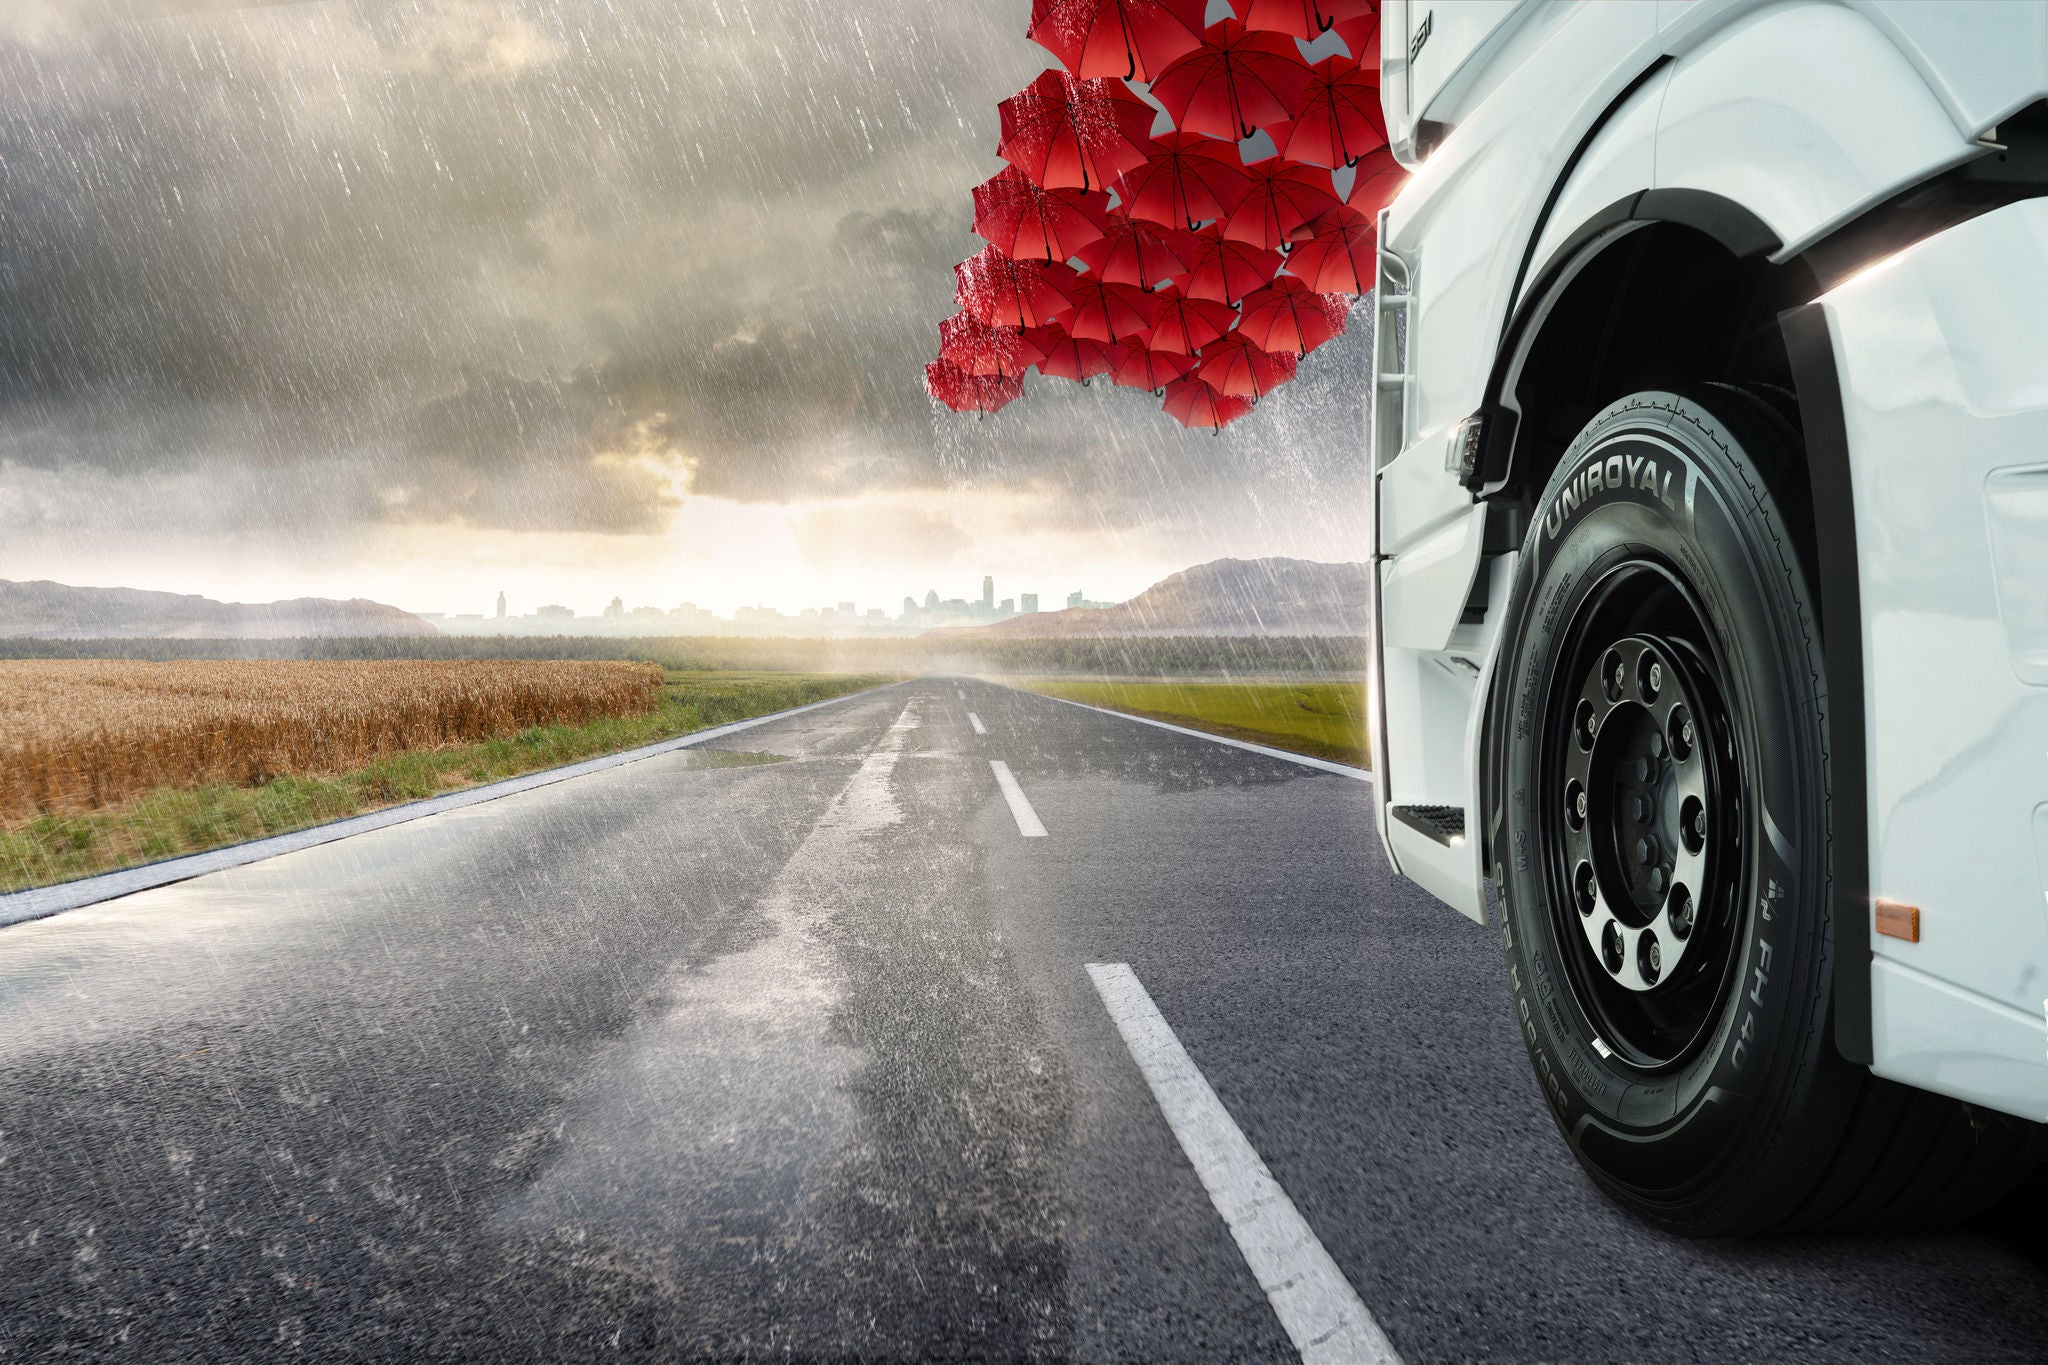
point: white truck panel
(1944, 372)
(1803, 114)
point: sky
(418, 300)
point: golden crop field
(79, 734)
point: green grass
(1320, 719)
(178, 820)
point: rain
(336, 284)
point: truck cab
(1709, 450)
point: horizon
(1046, 603)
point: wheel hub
(1638, 812)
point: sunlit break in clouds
(572, 297)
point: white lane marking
(1317, 1306)
(958, 693)
(1342, 769)
(975, 721)
(1027, 819)
(18, 907)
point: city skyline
(916, 614)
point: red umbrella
(1236, 365)
(1226, 270)
(1340, 118)
(1283, 195)
(964, 392)
(1026, 222)
(1007, 293)
(1135, 252)
(1067, 133)
(1136, 367)
(1109, 312)
(1287, 315)
(1185, 181)
(1186, 325)
(1238, 79)
(1306, 19)
(1192, 403)
(976, 347)
(1361, 38)
(1339, 258)
(1380, 178)
(1129, 39)
(1065, 358)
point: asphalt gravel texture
(798, 1059)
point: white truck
(1709, 523)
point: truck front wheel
(1661, 852)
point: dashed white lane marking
(975, 721)
(958, 693)
(1028, 823)
(1317, 1306)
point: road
(802, 1059)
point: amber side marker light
(1896, 919)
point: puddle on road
(700, 1150)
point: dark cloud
(520, 264)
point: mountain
(57, 611)
(1222, 597)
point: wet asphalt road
(799, 1059)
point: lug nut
(1687, 732)
(1642, 851)
(1656, 677)
(1656, 881)
(1580, 805)
(1641, 808)
(1653, 958)
(1699, 824)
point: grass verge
(171, 821)
(1320, 719)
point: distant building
(988, 592)
(876, 616)
(846, 609)
(1008, 608)
(501, 605)
(931, 599)
(1074, 598)
(1075, 601)
(554, 612)
(647, 614)
(910, 606)
(615, 610)
(1027, 603)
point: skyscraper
(988, 592)
(501, 605)
(1027, 602)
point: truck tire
(1661, 814)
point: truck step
(1445, 824)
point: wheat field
(81, 734)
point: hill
(1221, 598)
(58, 611)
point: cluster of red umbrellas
(1165, 261)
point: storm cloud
(541, 266)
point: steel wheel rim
(1643, 840)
